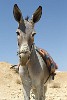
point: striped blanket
(51, 65)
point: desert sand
(11, 87)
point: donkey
(32, 68)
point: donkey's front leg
(26, 91)
(40, 92)
(26, 82)
(35, 93)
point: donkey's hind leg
(40, 93)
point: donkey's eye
(33, 34)
(18, 33)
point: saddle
(51, 65)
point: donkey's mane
(27, 18)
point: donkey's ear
(17, 13)
(37, 15)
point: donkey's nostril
(26, 52)
(19, 56)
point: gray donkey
(32, 68)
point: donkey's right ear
(17, 13)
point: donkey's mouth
(24, 57)
(24, 54)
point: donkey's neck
(35, 58)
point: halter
(31, 49)
(18, 53)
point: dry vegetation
(11, 88)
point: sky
(51, 29)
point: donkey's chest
(36, 65)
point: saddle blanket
(51, 65)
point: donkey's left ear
(37, 15)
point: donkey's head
(25, 31)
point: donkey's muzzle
(24, 52)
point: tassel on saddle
(51, 65)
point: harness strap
(47, 79)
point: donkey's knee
(26, 83)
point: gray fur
(32, 70)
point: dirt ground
(11, 88)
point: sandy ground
(11, 88)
